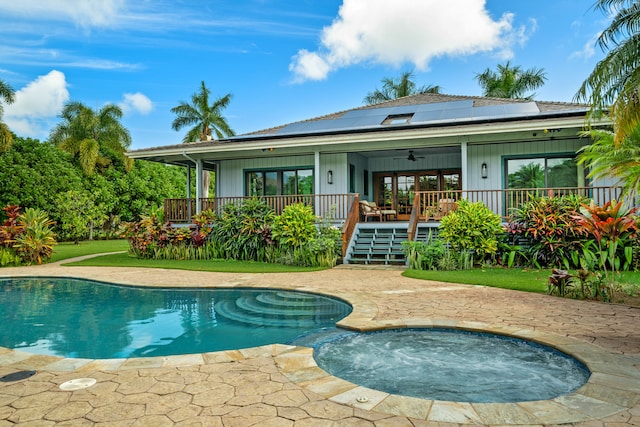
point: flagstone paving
(280, 385)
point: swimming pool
(450, 365)
(80, 318)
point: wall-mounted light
(330, 177)
(267, 149)
(483, 171)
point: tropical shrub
(243, 231)
(326, 230)
(424, 255)
(152, 238)
(549, 225)
(612, 227)
(8, 257)
(35, 243)
(11, 227)
(510, 253)
(471, 228)
(295, 226)
(317, 252)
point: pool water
(451, 365)
(86, 319)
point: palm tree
(511, 81)
(398, 88)
(7, 95)
(615, 80)
(94, 138)
(607, 157)
(202, 116)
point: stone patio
(280, 385)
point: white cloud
(84, 13)
(588, 50)
(413, 31)
(37, 104)
(136, 102)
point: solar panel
(422, 114)
(506, 110)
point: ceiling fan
(411, 157)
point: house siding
(232, 172)
(494, 154)
(337, 163)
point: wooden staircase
(378, 244)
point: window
(281, 182)
(542, 172)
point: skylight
(397, 119)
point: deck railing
(350, 223)
(427, 205)
(333, 206)
(435, 204)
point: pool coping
(614, 384)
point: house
(407, 155)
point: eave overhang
(400, 136)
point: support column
(217, 179)
(189, 214)
(199, 184)
(464, 165)
(316, 179)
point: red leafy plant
(612, 226)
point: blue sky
(282, 60)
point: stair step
(374, 245)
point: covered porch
(344, 209)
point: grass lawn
(517, 279)
(627, 289)
(66, 250)
(529, 280)
(125, 260)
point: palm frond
(88, 155)
(7, 94)
(6, 138)
(204, 116)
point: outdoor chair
(445, 206)
(367, 211)
(386, 213)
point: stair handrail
(350, 223)
(415, 217)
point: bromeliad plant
(612, 227)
